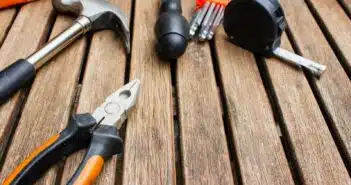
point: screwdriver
(218, 20)
(208, 16)
(172, 30)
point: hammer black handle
(14, 77)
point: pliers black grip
(98, 132)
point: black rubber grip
(76, 136)
(14, 77)
(105, 142)
(171, 5)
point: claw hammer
(93, 15)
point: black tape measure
(255, 25)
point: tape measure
(255, 25)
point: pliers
(98, 132)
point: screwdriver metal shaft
(198, 19)
(206, 29)
(216, 23)
(206, 21)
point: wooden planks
(6, 17)
(314, 149)
(28, 32)
(334, 87)
(104, 74)
(338, 25)
(48, 107)
(258, 148)
(149, 144)
(203, 141)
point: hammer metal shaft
(57, 44)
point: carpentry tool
(99, 131)
(257, 25)
(93, 15)
(208, 16)
(9, 3)
(172, 30)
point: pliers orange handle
(97, 131)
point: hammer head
(102, 15)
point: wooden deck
(217, 116)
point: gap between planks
(333, 89)
(7, 18)
(104, 74)
(336, 28)
(346, 5)
(22, 24)
(235, 168)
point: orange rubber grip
(8, 3)
(36, 152)
(90, 171)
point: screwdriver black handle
(14, 77)
(172, 30)
(75, 137)
(171, 5)
(104, 144)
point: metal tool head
(102, 15)
(114, 111)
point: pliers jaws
(114, 111)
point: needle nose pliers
(98, 132)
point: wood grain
(338, 25)
(205, 156)
(347, 5)
(28, 32)
(334, 86)
(317, 156)
(149, 144)
(6, 17)
(104, 74)
(258, 148)
(49, 103)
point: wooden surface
(338, 25)
(54, 90)
(347, 5)
(312, 144)
(334, 87)
(233, 118)
(20, 42)
(149, 145)
(200, 116)
(255, 136)
(104, 74)
(6, 17)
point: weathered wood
(334, 86)
(347, 5)
(316, 154)
(28, 32)
(49, 103)
(258, 148)
(104, 74)
(6, 17)
(338, 24)
(203, 141)
(149, 144)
